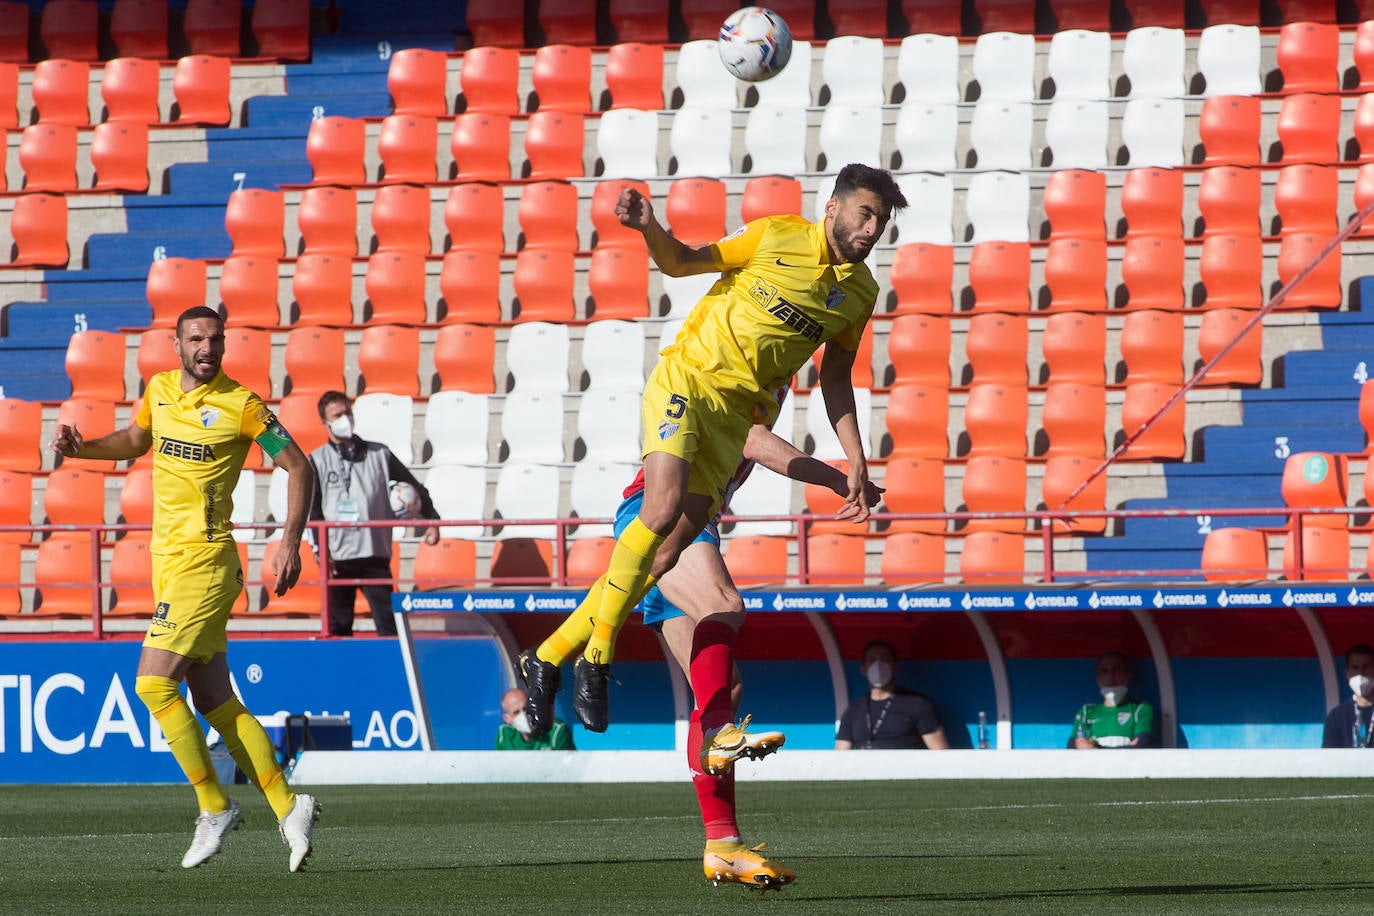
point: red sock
(715, 794)
(713, 649)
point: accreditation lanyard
(1361, 735)
(873, 726)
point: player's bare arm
(838, 389)
(300, 485)
(119, 445)
(782, 457)
(671, 256)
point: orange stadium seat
(992, 558)
(465, 358)
(136, 497)
(1317, 480)
(1152, 346)
(16, 506)
(757, 559)
(14, 31)
(922, 278)
(323, 289)
(640, 20)
(389, 360)
(11, 602)
(918, 348)
(861, 375)
(1306, 198)
(1062, 476)
(1243, 364)
(1309, 127)
(175, 285)
(695, 210)
(314, 361)
(519, 559)
(799, 14)
(1239, 12)
(497, 23)
(395, 288)
(74, 496)
(212, 27)
(999, 275)
(139, 28)
(131, 574)
(931, 17)
(69, 29)
(547, 214)
(1074, 345)
(300, 414)
(996, 346)
(119, 155)
(1152, 202)
(553, 145)
(400, 219)
(824, 502)
(1228, 199)
(155, 354)
(770, 195)
(835, 560)
(1366, 421)
(995, 419)
(480, 146)
(864, 17)
(1362, 52)
(914, 485)
(47, 156)
(1229, 130)
(1006, 15)
(473, 216)
(95, 365)
(994, 483)
(1325, 555)
(129, 87)
(562, 78)
(92, 418)
(1307, 56)
(1364, 131)
(282, 28)
(570, 22)
(248, 287)
(449, 563)
(305, 600)
(1235, 555)
(543, 283)
(327, 219)
(489, 80)
(1076, 274)
(1081, 14)
(1231, 268)
(912, 557)
(38, 225)
(606, 227)
(1075, 201)
(470, 285)
(587, 559)
(407, 146)
(1312, 10)
(21, 436)
(416, 80)
(63, 575)
(634, 75)
(200, 86)
(918, 421)
(1074, 416)
(1322, 288)
(255, 219)
(1165, 439)
(248, 358)
(618, 280)
(335, 147)
(9, 95)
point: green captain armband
(274, 438)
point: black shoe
(541, 681)
(591, 695)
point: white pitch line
(1151, 802)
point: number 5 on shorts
(677, 405)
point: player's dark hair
(877, 644)
(1118, 654)
(329, 397)
(857, 176)
(197, 311)
(1360, 648)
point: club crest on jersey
(834, 297)
(1122, 718)
(667, 428)
(208, 416)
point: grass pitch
(1214, 846)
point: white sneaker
(296, 827)
(211, 829)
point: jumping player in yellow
(787, 287)
(200, 424)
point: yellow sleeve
(849, 338)
(144, 417)
(738, 247)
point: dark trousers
(341, 597)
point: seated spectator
(514, 733)
(1120, 720)
(1348, 724)
(889, 715)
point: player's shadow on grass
(1151, 890)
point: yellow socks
(572, 634)
(253, 752)
(627, 580)
(185, 739)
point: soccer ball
(405, 500)
(754, 44)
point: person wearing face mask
(1120, 720)
(517, 734)
(888, 715)
(1348, 724)
(351, 485)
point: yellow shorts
(684, 418)
(194, 590)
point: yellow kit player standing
(787, 287)
(200, 424)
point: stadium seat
(634, 75)
(1076, 134)
(1009, 15)
(473, 216)
(304, 600)
(548, 216)
(248, 358)
(1306, 198)
(74, 496)
(527, 492)
(173, 286)
(14, 31)
(761, 495)
(1062, 476)
(770, 195)
(314, 361)
(1074, 345)
(824, 503)
(835, 560)
(1152, 346)
(1000, 133)
(417, 80)
(553, 146)
(1230, 268)
(994, 483)
(335, 148)
(1325, 555)
(1228, 58)
(1307, 55)
(537, 356)
(139, 28)
(1243, 364)
(1152, 269)
(852, 69)
(912, 558)
(825, 443)
(695, 210)
(588, 558)
(1317, 480)
(62, 575)
(322, 286)
(136, 497)
(999, 275)
(1152, 58)
(93, 418)
(755, 560)
(129, 88)
(389, 360)
(682, 293)
(700, 141)
(1229, 129)
(608, 426)
(21, 440)
(1228, 200)
(613, 355)
(131, 573)
(69, 29)
(489, 81)
(1076, 274)
(11, 602)
(928, 67)
(995, 347)
(255, 219)
(562, 78)
(9, 94)
(95, 365)
(927, 136)
(456, 424)
(248, 287)
(571, 22)
(618, 281)
(992, 558)
(1309, 127)
(995, 419)
(1165, 439)
(851, 133)
(400, 220)
(388, 419)
(1074, 201)
(1362, 53)
(449, 563)
(299, 413)
(1235, 555)
(918, 348)
(998, 206)
(1080, 63)
(47, 157)
(464, 358)
(1152, 132)
(917, 419)
(700, 79)
(860, 17)
(200, 86)
(38, 226)
(16, 504)
(775, 139)
(155, 354)
(496, 23)
(1074, 417)
(1321, 289)
(792, 87)
(212, 27)
(914, 485)
(1364, 132)
(543, 282)
(1364, 195)
(395, 288)
(1152, 202)
(1004, 65)
(480, 145)
(922, 278)
(470, 286)
(407, 146)
(119, 156)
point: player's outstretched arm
(674, 258)
(838, 390)
(782, 457)
(300, 485)
(119, 445)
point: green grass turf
(1215, 846)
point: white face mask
(521, 723)
(1362, 686)
(879, 674)
(342, 426)
(1113, 694)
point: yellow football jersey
(200, 440)
(777, 301)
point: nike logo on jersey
(782, 263)
(164, 403)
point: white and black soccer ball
(755, 43)
(405, 499)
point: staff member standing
(351, 485)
